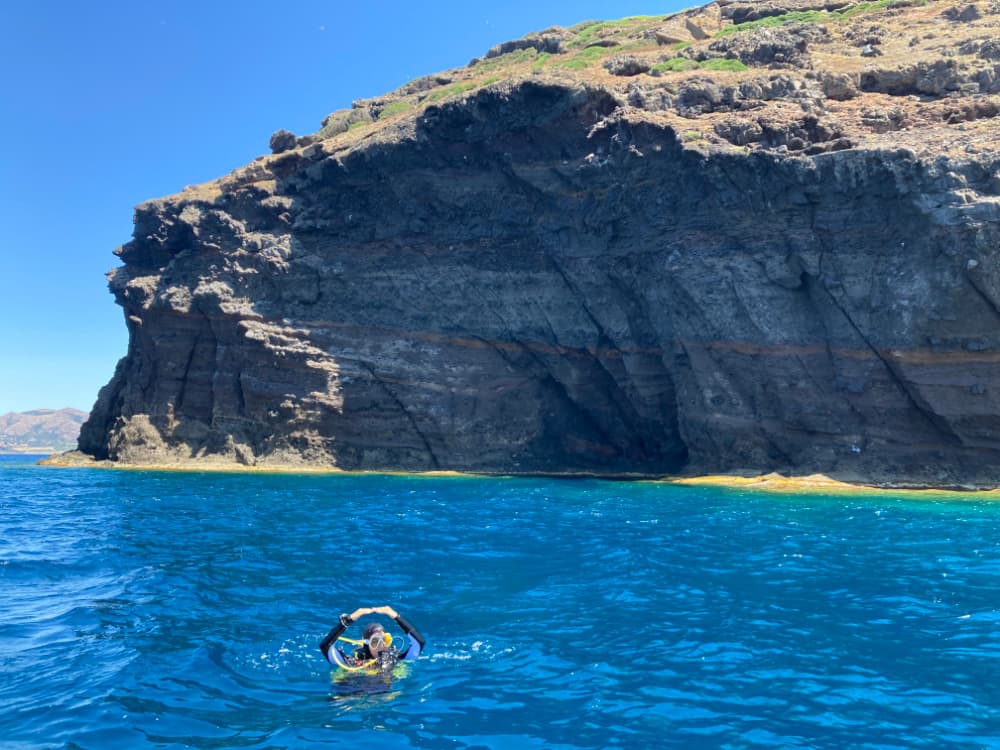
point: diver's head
(376, 639)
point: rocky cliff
(749, 236)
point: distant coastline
(40, 431)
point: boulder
(282, 140)
(839, 86)
(782, 47)
(626, 65)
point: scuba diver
(376, 653)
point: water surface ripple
(161, 610)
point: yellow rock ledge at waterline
(769, 483)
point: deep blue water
(168, 610)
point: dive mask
(379, 638)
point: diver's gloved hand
(360, 612)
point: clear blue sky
(107, 104)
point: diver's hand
(360, 612)
(387, 611)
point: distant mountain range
(40, 430)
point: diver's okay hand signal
(383, 610)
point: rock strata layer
(740, 238)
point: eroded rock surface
(609, 269)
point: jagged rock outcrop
(540, 263)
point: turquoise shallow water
(163, 610)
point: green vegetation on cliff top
(590, 43)
(816, 16)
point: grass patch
(579, 28)
(327, 131)
(459, 88)
(517, 57)
(589, 32)
(396, 108)
(676, 65)
(358, 124)
(722, 64)
(807, 16)
(681, 45)
(682, 64)
(860, 8)
(586, 57)
(635, 45)
(692, 135)
(804, 16)
(448, 91)
(541, 60)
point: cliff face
(759, 247)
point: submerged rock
(555, 269)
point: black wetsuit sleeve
(411, 631)
(333, 635)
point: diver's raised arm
(402, 622)
(342, 625)
(410, 631)
(334, 634)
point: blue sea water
(176, 610)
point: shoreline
(773, 482)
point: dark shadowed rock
(700, 95)
(626, 65)
(424, 83)
(342, 120)
(800, 135)
(975, 110)
(962, 13)
(782, 47)
(884, 120)
(549, 42)
(282, 140)
(932, 79)
(740, 132)
(990, 49)
(649, 98)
